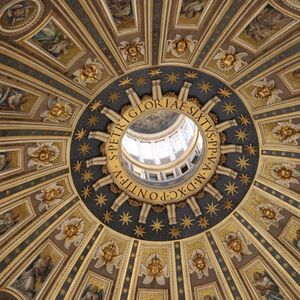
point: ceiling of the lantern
(155, 122)
(149, 149)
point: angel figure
(287, 132)
(154, 270)
(265, 91)
(132, 51)
(53, 40)
(8, 220)
(90, 73)
(236, 245)
(296, 240)
(58, 111)
(267, 23)
(92, 292)
(266, 286)
(4, 160)
(12, 99)
(269, 214)
(50, 196)
(181, 45)
(230, 59)
(42, 155)
(200, 263)
(191, 8)
(296, 74)
(71, 232)
(121, 10)
(32, 278)
(108, 255)
(285, 174)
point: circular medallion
(17, 16)
(159, 155)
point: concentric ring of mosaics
(224, 160)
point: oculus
(143, 192)
(165, 156)
(122, 152)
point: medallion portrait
(18, 15)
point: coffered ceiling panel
(85, 214)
